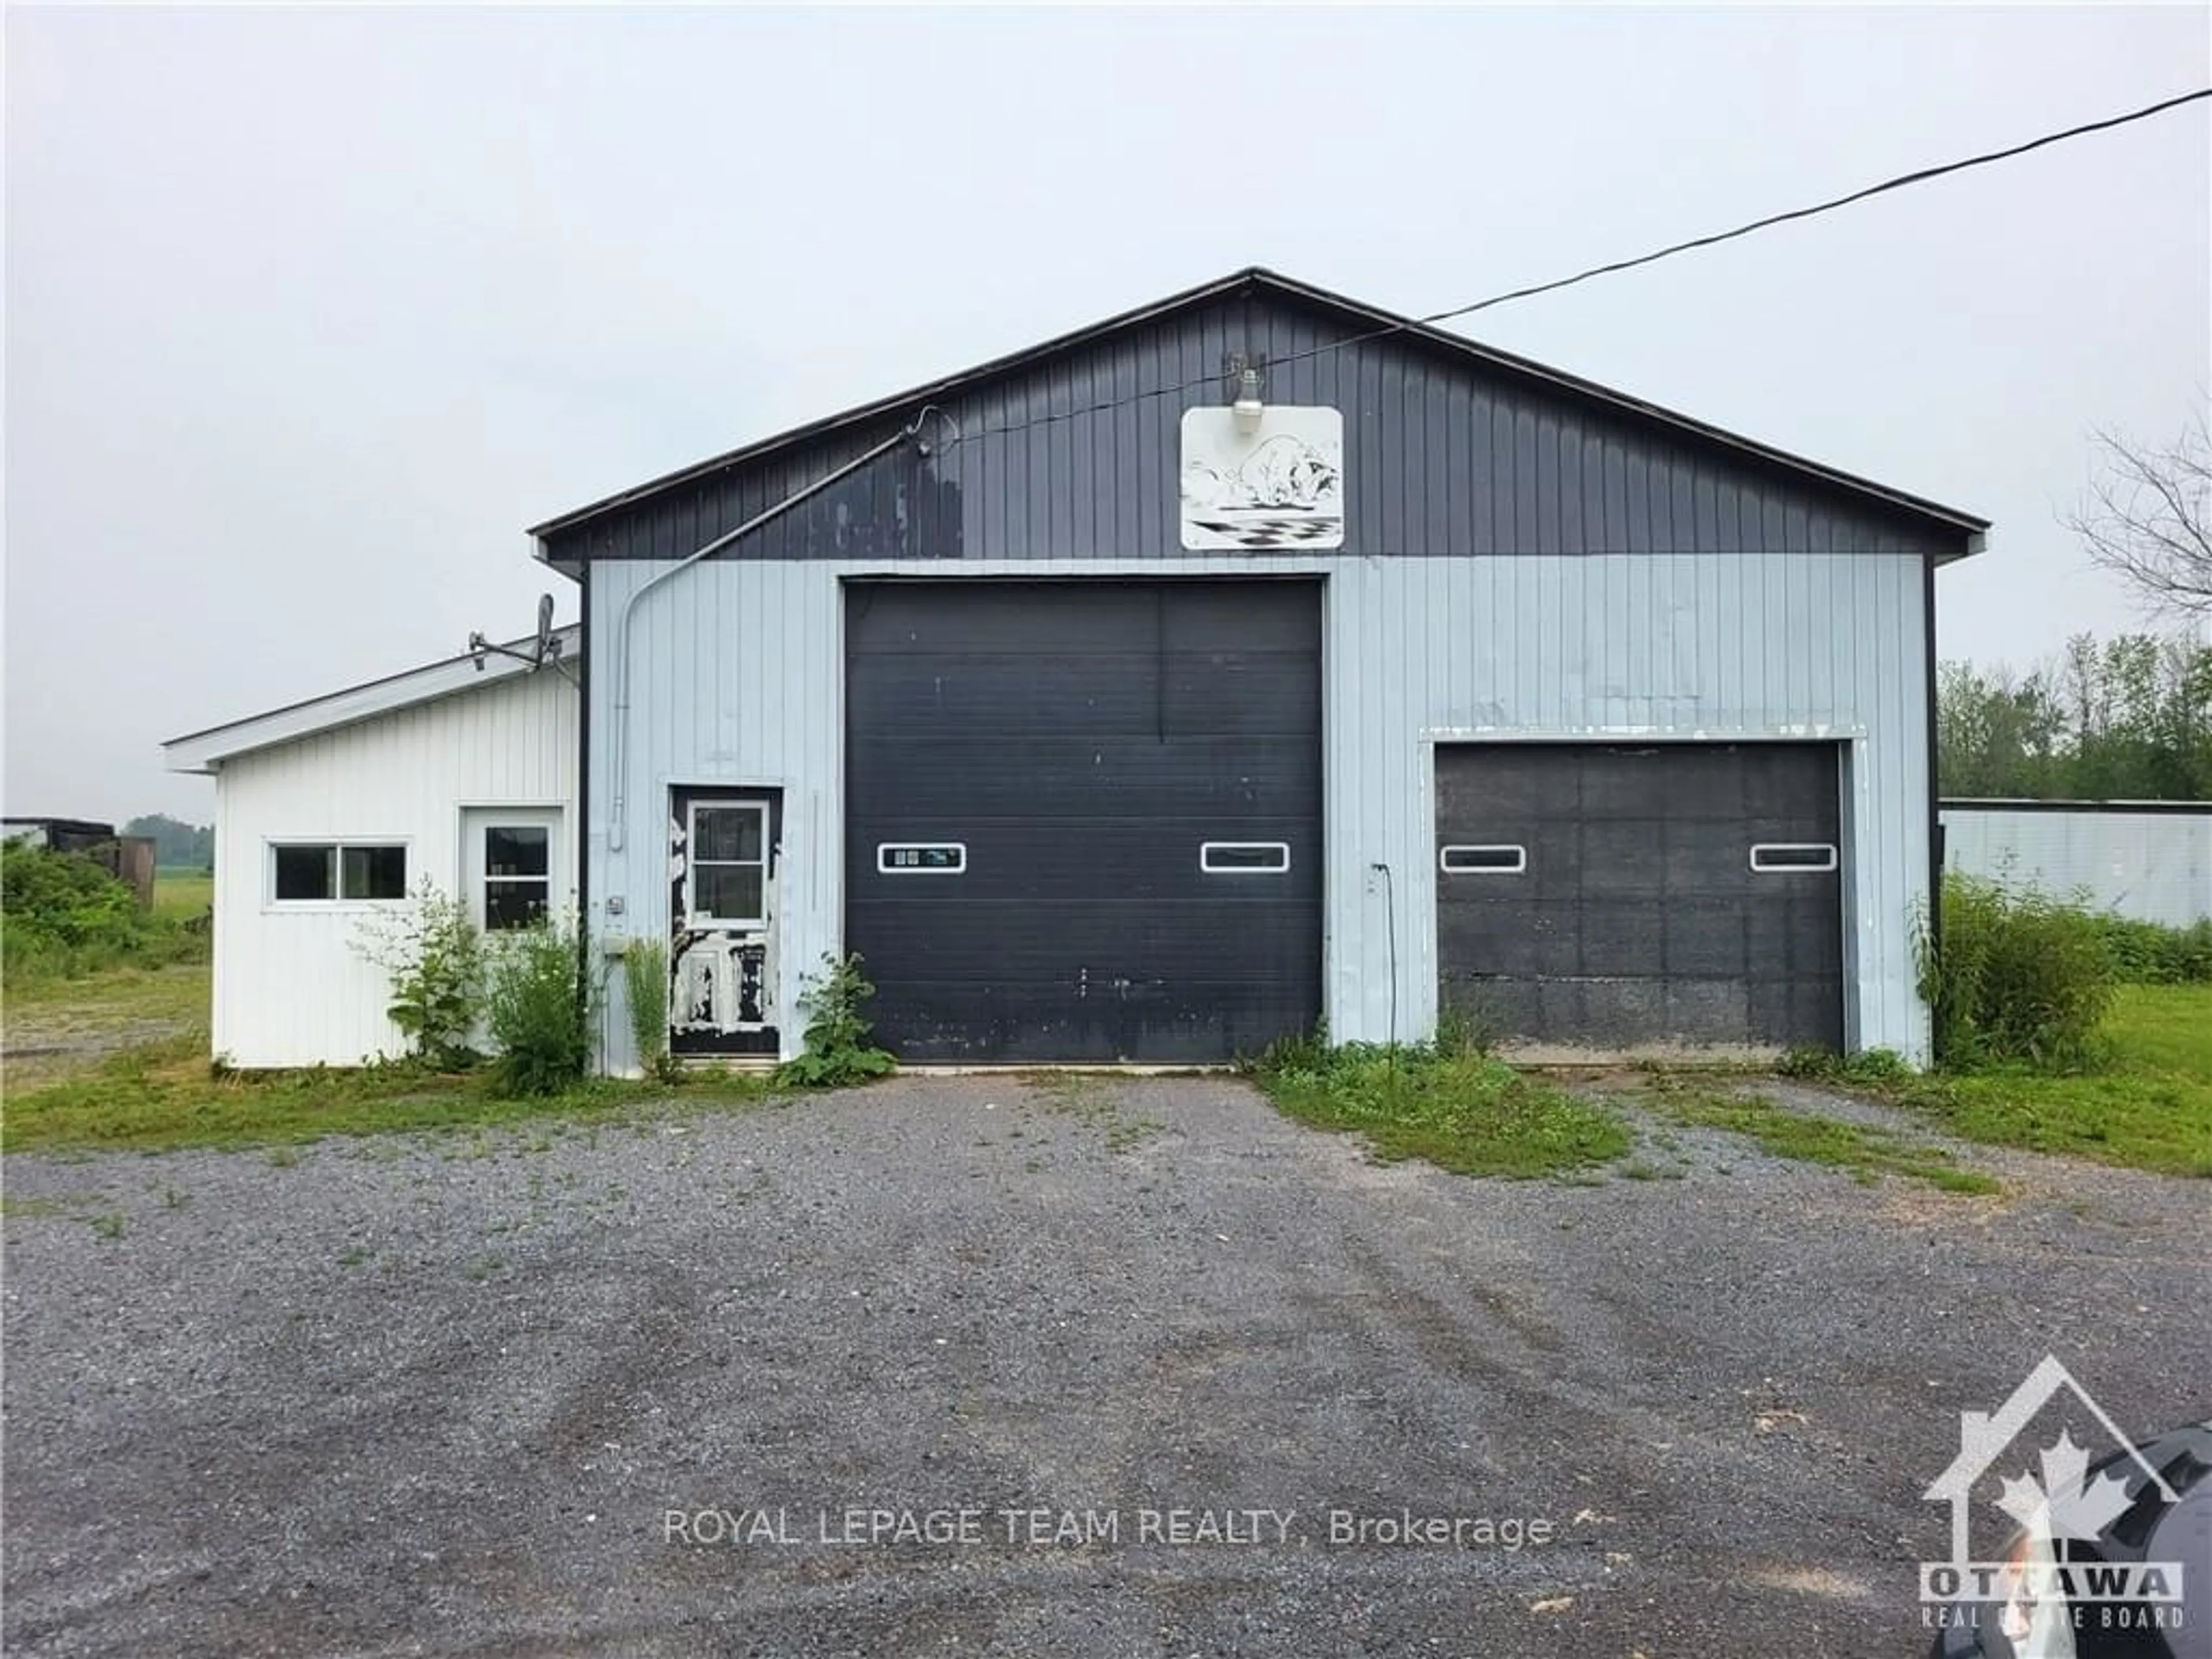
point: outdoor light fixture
(1247, 408)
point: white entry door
(512, 860)
(722, 857)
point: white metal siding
(2155, 866)
(289, 987)
(737, 676)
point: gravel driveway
(554, 1392)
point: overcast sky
(310, 312)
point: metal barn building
(1254, 660)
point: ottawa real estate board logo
(2056, 1570)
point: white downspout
(618, 758)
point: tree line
(2126, 719)
(177, 844)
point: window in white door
(518, 874)
(728, 871)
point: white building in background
(2149, 860)
(331, 811)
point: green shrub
(538, 1005)
(1466, 1032)
(838, 1050)
(1869, 1065)
(2019, 976)
(61, 915)
(2147, 953)
(645, 980)
(432, 951)
(1305, 1053)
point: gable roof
(204, 751)
(1258, 280)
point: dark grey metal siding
(1441, 457)
(1081, 740)
(1637, 917)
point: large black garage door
(1083, 819)
(1612, 894)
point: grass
(1465, 1113)
(2146, 1106)
(58, 1029)
(1867, 1154)
(98, 1002)
(2142, 1099)
(161, 1096)
(160, 1092)
(13, 1207)
(182, 895)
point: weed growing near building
(645, 984)
(434, 957)
(539, 1004)
(2016, 977)
(839, 1049)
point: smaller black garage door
(1616, 895)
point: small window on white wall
(325, 872)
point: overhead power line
(1920, 176)
(1829, 206)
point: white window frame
(474, 816)
(694, 917)
(886, 849)
(1519, 865)
(1207, 848)
(337, 846)
(1826, 848)
(481, 853)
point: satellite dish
(545, 626)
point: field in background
(182, 895)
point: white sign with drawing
(1279, 486)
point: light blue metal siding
(737, 678)
(740, 679)
(1441, 460)
(1676, 648)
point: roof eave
(1969, 524)
(937, 388)
(204, 751)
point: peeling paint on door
(723, 865)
